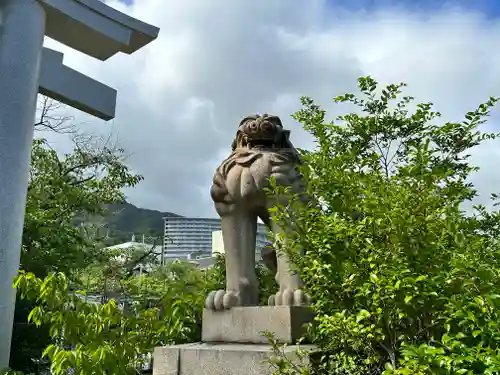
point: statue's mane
(257, 136)
(245, 158)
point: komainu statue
(261, 149)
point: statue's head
(261, 132)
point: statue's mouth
(260, 134)
(260, 143)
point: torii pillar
(26, 68)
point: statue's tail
(269, 258)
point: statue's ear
(285, 139)
(286, 135)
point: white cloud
(181, 98)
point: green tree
(62, 190)
(108, 272)
(403, 279)
(161, 308)
(265, 275)
(90, 338)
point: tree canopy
(403, 279)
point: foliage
(116, 265)
(62, 189)
(403, 280)
(160, 309)
(218, 273)
(24, 348)
(157, 308)
(265, 276)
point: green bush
(23, 332)
(102, 338)
(403, 280)
(163, 307)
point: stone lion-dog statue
(261, 149)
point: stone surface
(246, 324)
(94, 28)
(261, 150)
(217, 359)
(21, 38)
(73, 88)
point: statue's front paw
(221, 299)
(290, 297)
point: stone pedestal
(233, 343)
(216, 359)
(246, 324)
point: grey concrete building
(189, 238)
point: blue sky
(488, 7)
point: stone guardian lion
(261, 149)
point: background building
(188, 238)
(199, 238)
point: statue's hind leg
(290, 284)
(239, 235)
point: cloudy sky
(215, 61)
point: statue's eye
(253, 127)
(266, 126)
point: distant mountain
(129, 218)
(125, 220)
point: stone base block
(217, 359)
(246, 324)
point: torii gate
(26, 69)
